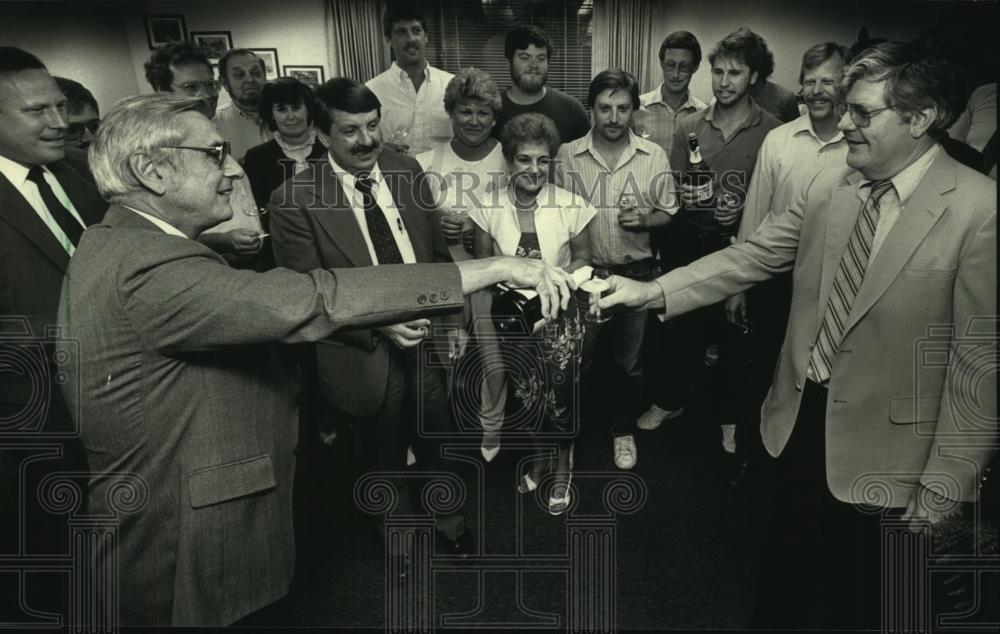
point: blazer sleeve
(292, 235)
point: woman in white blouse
(530, 217)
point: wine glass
(399, 136)
(258, 213)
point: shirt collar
(164, 226)
(803, 125)
(346, 178)
(404, 76)
(16, 173)
(587, 145)
(907, 181)
(753, 119)
(656, 97)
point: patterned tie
(386, 249)
(69, 225)
(850, 274)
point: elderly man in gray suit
(183, 395)
(885, 394)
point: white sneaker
(625, 452)
(654, 417)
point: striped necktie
(386, 249)
(850, 274)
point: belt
(636, 269)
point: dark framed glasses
(218, 152)
(861, 116)
(195, 88)
(77, 129)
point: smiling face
(613, 111)
(819, 89)
(678, 67)
(408, 40)
(197, 187)
(32, 118)
(529, 170)
(472, 121)
(888, 143)
(731, 80)
(244, 79)
(354, 140)
(529, 68)
(292, 120)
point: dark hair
(13, 60)
(750, 48)
(401, 12)
(817, 54)
(284, 90)
(521, 37)
(915, 79)
(525, 128)
(158, 72)
(233, 52)
(345, 94)
(77, 96)
(613, 79)
(682, 40)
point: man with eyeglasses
(190, 404)
(883, 410)
(182, 68)
(680, 57)
(46, 202)
(788, 159)
(82, 113)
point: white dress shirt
(17, 174)
(422, 112)
(384, 199)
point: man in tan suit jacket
(902, 415)
(187, 408)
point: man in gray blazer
(187, 408)
(885, 392)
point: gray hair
(135, 125)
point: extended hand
(244, 242)
(554, 285)
(458, 339)
(736, 309)
(627, 292)
(407, 334)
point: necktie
(69, 225)
(379, 231)
(850, 274)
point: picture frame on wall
(214, 43)
(310, 75)
(270, 57)
(163, 29)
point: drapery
(623, 38)
(357, 46)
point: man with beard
(730, 132)
(788, 160)
(243, 75)
(368, 205)
(528, 49)
(680, 57)
(411, 91)
(626, 178)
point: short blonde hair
(472, 84)
(135, 125)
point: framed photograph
(270, 57)
(214, 43)
(163, 29)
(311, 75)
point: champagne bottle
(519, 311)
(699, 176)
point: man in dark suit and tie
(369, 205)
(46, 201)
(188, 409)
(883, 407)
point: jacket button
(443, 295)
(421, 299)
(434, 298)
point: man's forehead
(193, 70)
(614, 96)
(867, 93)
(243, 61)
(342, 117)
(406, 25)
(532, 49)
(729, 62)
(30, 87)
(681, 54)
(830, 67)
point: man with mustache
(411, 91)
(528, 50)
(730, 132)
(243, 75)
(626, 178)
(370, 205)
(789, 158)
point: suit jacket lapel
(23, 219)
(82, 193)
(922, 211)
(842, 215)
(333, 212)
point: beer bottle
(699, 176)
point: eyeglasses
(78, 128)
(195, 88)
(861, 116)
(219, 152)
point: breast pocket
(930, 274)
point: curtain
(357, 46)
(623, 38)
